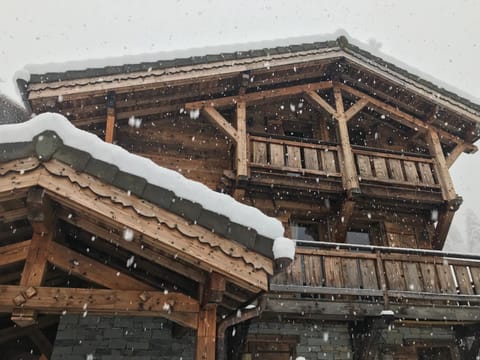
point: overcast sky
(439, 39)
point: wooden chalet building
(105, 256)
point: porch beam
(258, 96)
(173, 306)
(110, 126)
(241, 146)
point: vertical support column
(349, 173)
(41, 218)
(441, 167)
(241, 149)
(110, 127)
(452, 201)
(206, 333)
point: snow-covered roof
(51, 135)
(340, 47)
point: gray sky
(438, 38)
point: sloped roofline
(51, 135)
(341, 44)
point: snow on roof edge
(154, 174)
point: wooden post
(441, 168)
(206, 332)
(241, 150)
(349, 173)
(110, 127)
(41, 217)
(449, 195)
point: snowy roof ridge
(341, 43)
(51, 135)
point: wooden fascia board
(74, 89)
(177, 307)
(196, 244)
(403, 118)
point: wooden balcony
(381, 173)
(352, 280)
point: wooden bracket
(215, 289)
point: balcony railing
(381, 274)
(374, 166)
(296, 157)
(395, 167)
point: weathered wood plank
(380, 168)
(333, 272)
(294, 158)
(396, 169)
(328, 161)
(311, 158)
(364, 167)
(259, 150)
(463, 280)
(412, 276)
(445, 279)
(411, 171)
(53, 300)
(277, 156)
(351, 277)
(430, 279)
(313, 270)
(369, 274)
(394, 274)
(426, 173)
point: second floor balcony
(355, 281)
(382, 173)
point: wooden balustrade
(292, 156)
(383, 275)
(395, 168)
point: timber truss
(72, 244)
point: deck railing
(292, 156)
(391, 275)
(395, 167)
(281, 154)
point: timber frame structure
(349, 152)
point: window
(314, 230)
(358, 238)
(270, 347)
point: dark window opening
(358, 238)
(297, 134)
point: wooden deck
(388, 278)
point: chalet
(270, 204)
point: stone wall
(117, 338)
(318, 340)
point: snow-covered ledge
(283, 253)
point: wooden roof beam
(91, 270)
(14, 253)
(259, 96)
(218, 120)
(404, 118)
(173, 306)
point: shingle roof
(46, 142)
(10, 113)
(340, 43)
